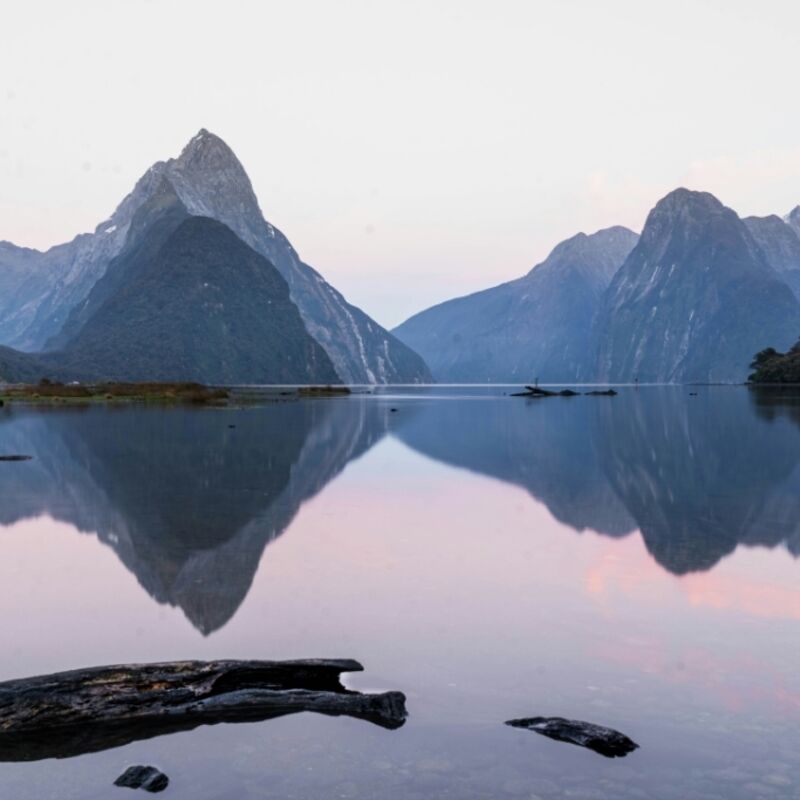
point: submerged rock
(605, 741)
(148, 778)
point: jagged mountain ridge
(780, 244)
(695, 299)
(793, 219)
(44, 302)
(538, 325)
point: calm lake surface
(629, 561)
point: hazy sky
(411, 151)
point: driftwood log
(84, 711)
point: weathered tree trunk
(83, 711)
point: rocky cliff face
(694, 300)
(196, 304)
(39, 307)
(793, 219)
(39, 289)
(780, 244)
(537, 326)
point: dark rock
(605, 741)
(536, 391)
(15, 458)
(393, 410)
(148, 778)
(602, 393)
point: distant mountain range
(693, 299)
(538, 325)
(191, 296)
(188, 281)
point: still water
(629, 561)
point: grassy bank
(53, 393)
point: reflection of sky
(468, 595)
(459, 588)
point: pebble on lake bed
(148, 778)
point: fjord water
(629, 561)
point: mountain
(780, 244)
(694, 300)
(192, 301)
(37, 289)
(793, 219)
(154, 221)
(44, 294)
(16, 367)
(539, 325)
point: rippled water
(629, 561)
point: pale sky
(411, 151)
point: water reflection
(187, 498)
(696, 474)
(190, 498)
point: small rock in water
(605, 741)
(15, 458)
(568, 393)
(392, 410)
(148, 778)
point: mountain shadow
(188, 503)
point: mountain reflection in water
(188, 503)
(697, 475)
(190, 498)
